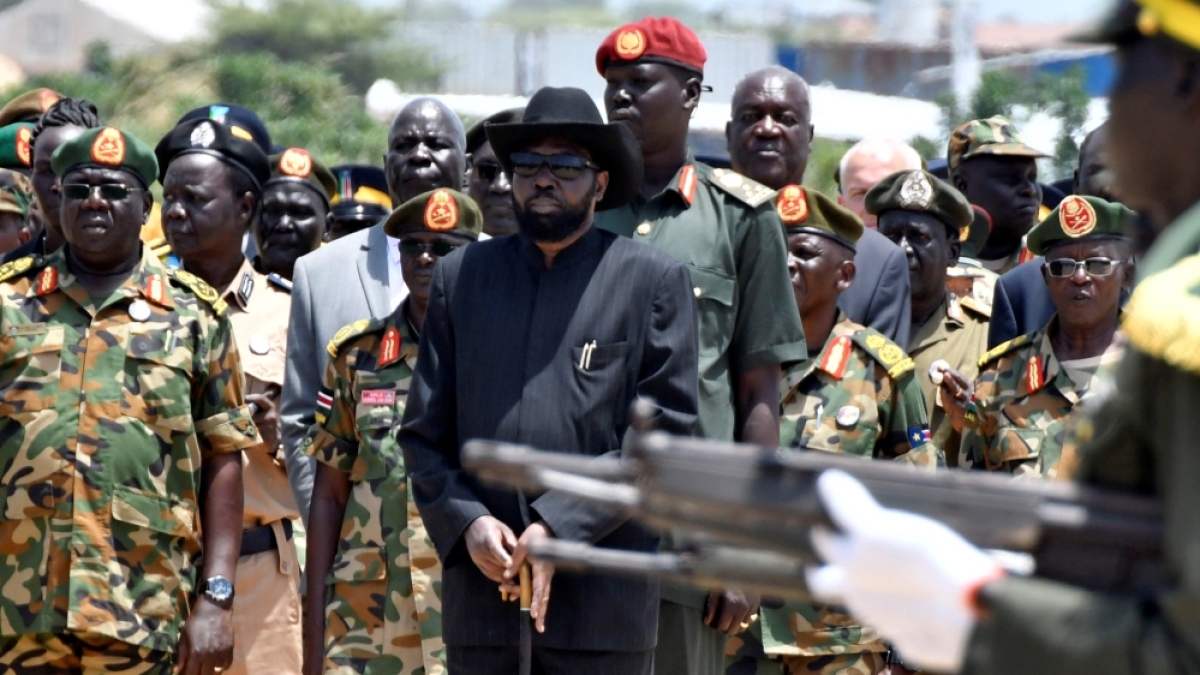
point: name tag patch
(378, 397)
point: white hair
(885, 150)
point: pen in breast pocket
(585, 358)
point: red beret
(662, 40)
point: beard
(555, 228)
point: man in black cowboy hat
(546, 338)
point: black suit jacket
(1021, 303)
(552, 358)
(879, 297)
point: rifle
(763, 502)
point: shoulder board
(746, 190)
(198, 286)
(347, 333)
(976, 306)
(1005, 348)
(1162, 319)
(11, 269)
(279, 282)
(889, 354)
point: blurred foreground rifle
(751, 510)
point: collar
(242, 288)
(930, 332)
(583, 249)
(148, 281)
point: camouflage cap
(804, 210)
(15, 149)
(106, 148)
(28, 107)
(16, 193)
(922, 192)
(1080, 218)
(297, 165)
(993, 136)
(1129, 20)
(442, 210)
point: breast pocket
(714, 292)
(158, 382)
(30, 372)
(378, 451)
(849, 429)
(599, 374)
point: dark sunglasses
(438, 249)
(486, 171)
(563, 167)
(113, 192)
(1096, 267)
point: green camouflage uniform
(108, 411)
(859, 396)
(383, 604)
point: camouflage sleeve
(978, 438)
(222, 418)
(904, 423)
(333, 439)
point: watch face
(219, 589)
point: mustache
(544, 193)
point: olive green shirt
(724, 226)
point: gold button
(697, 291)
(644, 229)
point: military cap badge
(631, 44)
(295, 162)
(109, 147)
(916, 191)
(441, 213)
(203, 135)
(24, 151)
(1076, 216)
(792, 205)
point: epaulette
(1161, 319)
(279, 282)
(1005, 348)
(201, 288)
(891, 355)
(11, 269)
(347, 333)
(159, 247)
(746, 190)
(976, 306)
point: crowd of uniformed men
(267, 375)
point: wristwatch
(218, 589)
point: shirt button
(697, 291)
(644, 229)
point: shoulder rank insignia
(975, 305)
(1162, 318)
(836, 357)
(47, 281)
(1035, 375)
(748, 191)
(345, 333)
(1005, 348)
(389, 349)
(687, 183)
(246, 288)
(11, 269)
(891, 355)
(202, 290)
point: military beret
(15, 150)
(16, 193)
(243, 122)
(922, 192)
(206, 137)
(361, 192)
(993, 136)
(297, 165)
(106, 148)
(1080, 218)
(1132, 19)
(804, 210)
(664, 40)
(477, 135)
(28, 107)
(441, 210)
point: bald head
(426, 150)
(865, 164)
(769, 137)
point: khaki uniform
(966, 280)
(956, 333)
(382, 601)
(266, 608)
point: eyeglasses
(438, 249)
(486, 171)
(113, 192)
(1096, 267)
(562, 167)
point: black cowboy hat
(569, 114)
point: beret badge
(296, 163)
(916, 192)
(1077, 217)
(109, 148)
(631, 44)
(441, 213)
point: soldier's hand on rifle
(957, 393)
(731, 611)
(910, 577)
(490, 543)
(543, 572)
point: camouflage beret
(1080, 218)
(442, 210)
(15, 150)
(922, 192)
(16, 193)
(993, 136)
(28, 107)
(804, 210)
(296, 165)
(106, 148)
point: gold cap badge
(1076, 216)
(792, 205)
(295, 162)
(441, 213)
(109, 147)
(24, 152)
(631, 43)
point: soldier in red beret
(724, 226)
